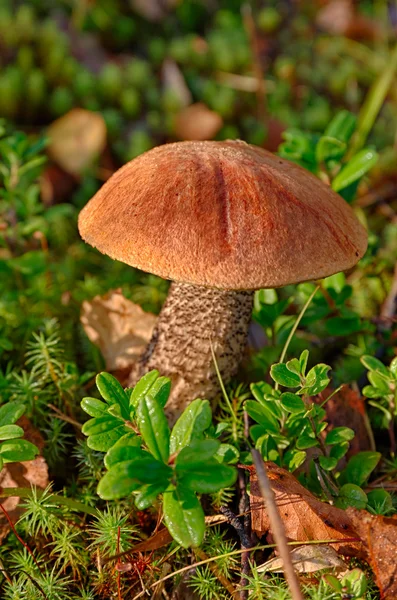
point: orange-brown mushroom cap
(223, 214)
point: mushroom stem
(192, 318)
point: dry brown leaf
(305, 518)
(197, 122)
(120, 328)
(24, 474)
(76, 139)
(379, 536)
(307, 559)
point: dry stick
(244, 508)
(277, 526)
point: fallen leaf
(23, 474)
(305, 518)
(379, 537)
(120, 328)
(76, 139)
(197, 122)
(307, 559)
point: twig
(277, 526)
(24, 544)
(60, 415)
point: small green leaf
(142, 388)
(360, 467)
(281, 375)
(294, 366)
(294, 459)
(339, 450)
(127, 447)
(197, 452)
(227, 454)
(304, 357)
(316, 380)
(206, 477)
(10, 432)
(262, 415)
(112, 391)
(328, 463)
(93, 407)
(351, 495)
(148, 495)
(357, 166)
(154, 428)
(292, 403)
(338, 435)
(192, 423)
(11, 412)
(103, 432)
(184, 516)
(128, 476)
(374, 364)
(306, 441)
(379, 383)
(160, 390)
(268, 448)
(18, 451)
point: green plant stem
(61, 500)
(277, 526)
(373, 103)
(296, 325)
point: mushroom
(220, 219)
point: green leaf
(371, 392)
(360, 467)
(262, 415)
(329, 147)
(328, 463)
(374, 364)
(197, 452)
(127, 447)
(351, 495)
(154, 428)
(338, 435)
(117, 483)
(148, 495)
(192, 423)
(93, 407)
(112, 391)
(104, 432)
(294, 459)
(227, 454)
(294, 366)
(393, 367)
(304, 357)
(128, 476)
(206, 477)
(379, 383)
(316, 380)
(184, 516)
(306, 441)
(357, 166)
(355, 582)
(292, 403)
(18, 451)
(339, 450)
(268, 448)
(342, 126)
(11, 412)
(160, 390)
(9, 432)
(281, 375)
(142, 388)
